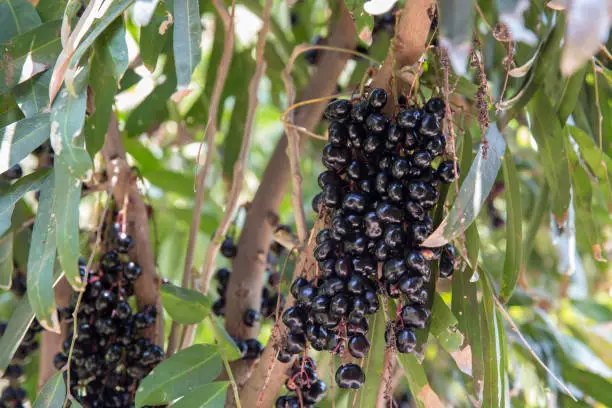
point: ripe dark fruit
(315, 393)
(415, 316)
(228, 248)
(350, 376)
(124, 242)
(131, 271)
(250, 317)
(358, 346)
(405, 340)
(338, 109)
(377, 98)
(446, 171)
(447, 261)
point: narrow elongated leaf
(495, 390)
(6, 260)
(33, 95)
(9, 198)
(17, 17)
(513, 262)
(24, 56)
(537, 215)
(227, 346)
(374, 364)
(15, 330)
(53, 393)
(443, 326)
(187, 38)
(113, 12)
(549, 135)
(67, 197)
(179, 375)
(186, 306)
(591, 154)
(21, 138)
(207, 396)
(456, 21)
(41, 259)
(592, 384)
(474, 190)
(424, 395)
(571, 90)
(67, 120)
(108, 64)
(153, 36)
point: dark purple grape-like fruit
(408, 118)
(350, 376)
(447, 261)
(377, 98)
(315, 393)
(405, 340)
(338, 109)
(337, 134)
(250, 317)
(446, 171)
(436, 107)
(124, 242)
(415, 316)
(131, 271)
(358, 346)
(228, 248)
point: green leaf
(17, 17)
(374, 364)
(513, 262)
(33, 95)
(179, 375)
(114, 11)
(41, 259)
(26, 55)
(495, 389)
(67, 197)
(108, 63)
(186, 306)
(21, 138)
(6, 260)
(151, 41)
(15, 330)
(9, 198)
(207, 396)
(227, 346)
(592, 384)
(443, 326)
(571, 90)
(591, 154)
(51, 10)
(233, 140)
(187, 38)
(474, 190)
(548, 133)
(67, 120)
(9, 111)
(424, 395)
(53, 393)
(537, 215)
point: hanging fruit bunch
(381, 183)
(110, 354)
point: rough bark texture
(249, 266)
(146, 288)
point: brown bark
(247, 277)
(51, 343)
(146, 287)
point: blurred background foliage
(557, 128)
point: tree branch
(146, 287)
(209, 135)
(247, 277)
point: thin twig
(209, 136)
(239, 167)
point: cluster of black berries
(251, 349)
(381, 181)
(13, 395)
(110, 356)
(304, 382)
